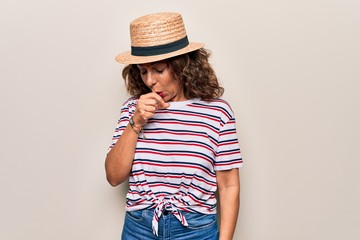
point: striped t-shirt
(175, 164)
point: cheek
(171, 81)
(144, 81)
(173, 86)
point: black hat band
(160, 49)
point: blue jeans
(138, 226)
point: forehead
(152, 64)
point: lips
(161, 94)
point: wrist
(136, 127)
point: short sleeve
(228, 154)
(127, 110)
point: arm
(119, 160)
(229, 194)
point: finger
(145, 103)
(158, 97)
(152, 99)
(151, 102)
(152, 95)
(145, 115)
(150, 108)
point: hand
(146, 108)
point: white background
(291, 70)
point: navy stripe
(228, 130)
(216, 107)
(178, 141)
(156, 151)
(236, 150)
(231, 161)
(159, 120)
(192, 176)
(200, 114)
(229, 140)
(179, 131)
(190, 164)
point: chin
(169, 99)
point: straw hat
(155, 37)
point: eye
(159, 70)
(141, 69)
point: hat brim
(127, 58)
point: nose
(150, 79)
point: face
(159, 78)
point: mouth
(161, 94)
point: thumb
(164, 105)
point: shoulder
(218, 105)
(129, 103)
(221, 103)
(129, 106)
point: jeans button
(165, 212)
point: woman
(175, 140)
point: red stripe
(176, 143)
(174, 165)
(195, 200)
(176, 154)
(168, 175)
(228, 143)
(228, 153)
(200, 190)
(176, 133)
(150, 131)
(229, 164)
(191, 114)
(212, 108)
(189, 124)
(177, 186)
(227, 133)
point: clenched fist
(146, 107)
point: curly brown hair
(192, 69)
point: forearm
(229, 210)
(119, 160)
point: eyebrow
(151, 64)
